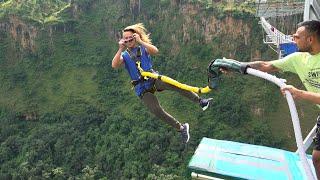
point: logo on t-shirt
(314, 74)
(313, 78)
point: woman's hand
(137, 37)
(122, 45)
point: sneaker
(204, 103)
(185, 133)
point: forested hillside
(65, 113)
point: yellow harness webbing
(173, 82)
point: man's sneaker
(185, 133)
(204, 103)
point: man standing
(306, 64)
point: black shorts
(316, 139)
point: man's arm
(301, 94)
(265, 66)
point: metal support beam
(311, 10)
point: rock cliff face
(208, 27)
(227, 29)
(25, 34)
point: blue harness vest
(130, 58)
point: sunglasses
(130, 39)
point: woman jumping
(134, 52)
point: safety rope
(171, 81)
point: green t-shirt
(305, 65)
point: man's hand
(225, 71)
(296, 93)
(301, 94)
(228, 65)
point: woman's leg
(152, 103)
(160, 85)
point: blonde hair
(141, 30)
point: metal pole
(294, 116)
(306, 13)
